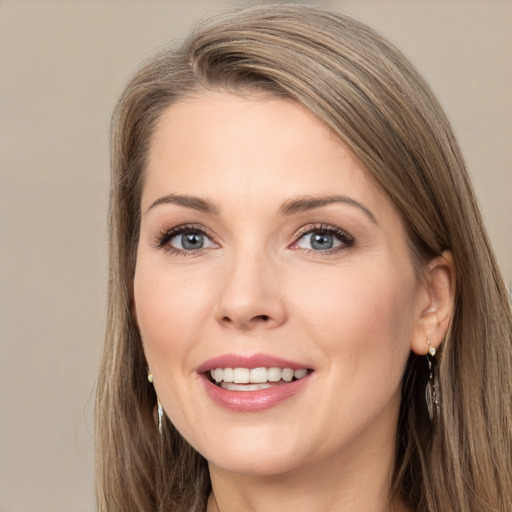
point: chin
(256, 464)
(254, 453)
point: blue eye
(185, 239)
(324, 239)
(188, 241)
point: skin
(352, 314)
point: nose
(251, 296)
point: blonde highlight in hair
(371, 97)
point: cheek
(171, 312)
(362, 323)
(360, 316)
(169, 309)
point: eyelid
(346, 239)
(161, 240)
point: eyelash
(162, 240)
(345, 238)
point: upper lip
(249, 361)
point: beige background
(62, 65)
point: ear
(435, 304)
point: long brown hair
(367, 92)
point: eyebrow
(290, 207)
(306, 203)
(196, 203)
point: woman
(305, 312)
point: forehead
(224, 146)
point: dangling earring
(160, 415)
(432, 390)
(160, 409)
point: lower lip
(254, 401)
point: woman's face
(266, 246)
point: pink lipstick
(252, 383)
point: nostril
(257, 318)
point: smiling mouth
(254, 379)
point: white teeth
(298, 374)
(258, 376)
(241, 375)
(228, 375)
(287, 374)
(274, 374)
(244, 387)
